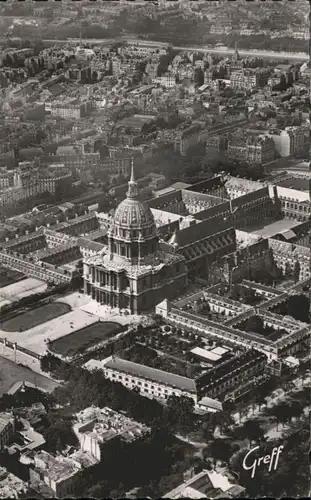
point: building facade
(134, 273)
(7, 429)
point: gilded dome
(133, 214)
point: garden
(34, 317)
(8, 276)
(296, 306)
(78, 341)
(256, 324)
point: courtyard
(256, 324)
(79, 341)
(35, 317)
(280, 226)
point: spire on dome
(133, 187)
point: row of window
(295, 206)
(233, 381)
(143, 386)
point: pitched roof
(148, 373)
(204, 229)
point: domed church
(134, 272)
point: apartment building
(243, 79)
(61, 474)
(97, 426)
(7, 429)
(260, 149)
(206, 484)
(168, 81)
(29, 182)
(71, 109)
(290, 141)
(187, 138)
(295, 204)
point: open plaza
(69, 324)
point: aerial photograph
(155, 264)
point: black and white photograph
(155, 264)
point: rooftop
(145, 372)
(206, 484)
(208, 355)
(11, 486)
(104, 424)
(277, 227)
(227, 368)
(57, 468)
(162, 218)
(118, 264)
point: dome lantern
(132, 192)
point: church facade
(133, 272)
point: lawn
(8, 276)
(35, 317)
(10, 373)
(79, 341)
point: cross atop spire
(133, 188)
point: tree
(298, 306)
(254, 324)
(260, 399)
(57, 433)
(288, 271)
(220, 449)
(253, 431)
(296, 272)
(180, 410)
(281, 412)
(248, 295)
(235, 293)
(296, 409)
(99, 490)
